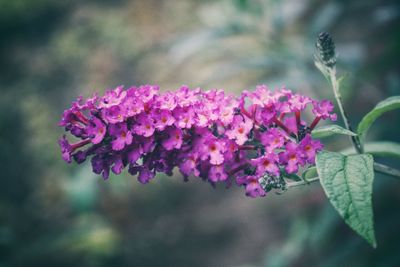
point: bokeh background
(55, 214)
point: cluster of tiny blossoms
(254, 140)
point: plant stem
(386, 170)
(237, 169)
(381, 168)
(300, 183)
(335, 86)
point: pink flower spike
(252, 139)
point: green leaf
(380, 148)
(386, 105)
(309, 173)
(328, 130)
(347, 181)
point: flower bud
(325, 50)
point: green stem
(381, 168)
(300, 183)
(335, 86)
(386, 170)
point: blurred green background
(55, 214)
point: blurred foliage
(54, 214)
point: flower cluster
(254, 140)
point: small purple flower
(134, 152)
(67, 149)
(265, 115)
(80, 156)
(240, 129)
(96, 129)
(217, 173)
(186, 97)
(145, 175)
(188, 165)
(324, 109)
(298, 102)
(144, 125)
(167, 101)
(163, 119)
(184, 117)
(310, 147)
(132, 106)
(267, 163)
(68, 117)
(118, 165)
(232, 150)
(112, 97)
(147, 144)
(214, 150)
(291, 157)
(77, 130)
(291, 124)
(122, 136)
(147, 92)
(272, 139)
(174, 140)
(253, 188)
(113, 114)
(101, 165)
(226, 115)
